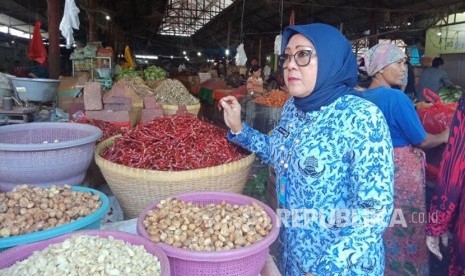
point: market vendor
(404, 240)
(434, 78)
(255, 82)
(38, 70)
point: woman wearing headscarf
(333, 159)
(404, 240)
(447, 206)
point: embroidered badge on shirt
(284, 132)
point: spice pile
(275, 98)
(173, 92)
(173, 143)
(139, 86)
(109, 129)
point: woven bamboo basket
(136, 189)
(172, 109)
(135, 113)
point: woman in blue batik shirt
(333, 157)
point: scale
(19, 113)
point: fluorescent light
(17, 27)
(146, 57)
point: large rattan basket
(136, 189)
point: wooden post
(53, 14)
(92, 24)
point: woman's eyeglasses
(301, 58)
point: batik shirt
(335, 174)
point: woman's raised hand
(232, 113)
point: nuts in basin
(209, 227)
(29, 209)
(88, 255)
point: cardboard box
(108, 115)
(65, 98)
(93, 96)
(72, 83)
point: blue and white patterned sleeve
(253, 141)
(372, 179)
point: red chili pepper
(174, 143)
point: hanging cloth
(37, 50)
(69, 22)
(128, 57)
(241, 57)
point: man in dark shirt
(434, 78)
(38, 71)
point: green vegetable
(449, 95)
(256, 186)
(129, 72)
(154, 73)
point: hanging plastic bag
(241, 57)
(37, 50)
(277, 44)
(69, 22)
(292, 18)
(437, 116)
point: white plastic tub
(36, 90)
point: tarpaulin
(37, 50)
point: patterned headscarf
(380, 56)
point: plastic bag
(69, 22)
(435, 117)
(241, 57)
(37, 49)
(277, 44)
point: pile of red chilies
(108, 129)
(174, 143)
